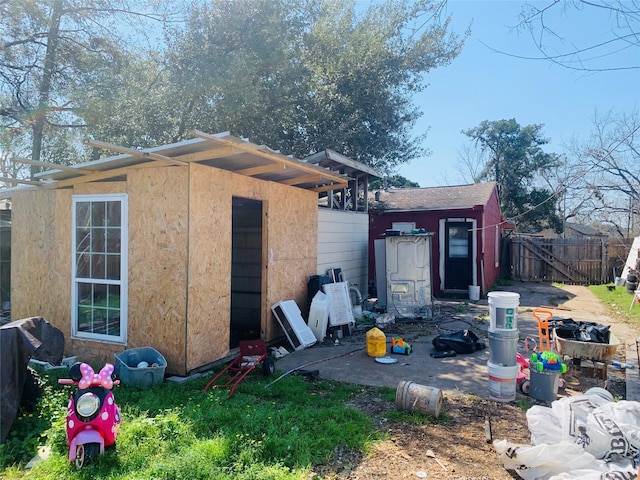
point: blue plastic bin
(126, 367)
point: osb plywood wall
(290, 231)
(41, 257)
(158, 242)
(179, 259)
(209, 289)
(292, 248)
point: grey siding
(342, 243)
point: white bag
(580, 437)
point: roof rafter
(52, 166)
(272, 156)
(18, 180)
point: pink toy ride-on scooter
(93, 417)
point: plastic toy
(522, 380)
(547, 360)
(398, 345)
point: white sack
(580, 437)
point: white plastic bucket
(474, 292)
(503, 347)
(503, 310)
(502, 382)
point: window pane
(113, 267)
(114, 297)
(458, 242)
(82, 266)
(82, 214)
(98, 214)
(98, 266)
(113, 240)
(85, 293)
(84, 319)
(113, 323)
(83, 236)
(113, 312)
(97, 240)
(113, 214)
(100, 320)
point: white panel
(297, 331)
(340, 308)
(632, 257)
(408, 261)
(343, 243)
(319, 315)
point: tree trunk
(45, 84)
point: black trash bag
(464, 341)
(584, 331)
(598, 333)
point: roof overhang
(221, 150)
(339, 163)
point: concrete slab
(465, 373)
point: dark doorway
(458, 274)
(246, 270)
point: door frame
(262, 324)
(442, 233)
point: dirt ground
(458, 439)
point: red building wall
(488, 221)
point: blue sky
(481, 84)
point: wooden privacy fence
(572, 260)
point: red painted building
(466, 223)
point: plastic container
(474, 292)
(413, 397)
(503, 347)
(503, 310)
(600, 392)
(544, 385)
(376, 343)
(319, 315)
(502, 382)
(126, 366)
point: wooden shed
(183, 247)
(466, 223)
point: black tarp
(20, 341)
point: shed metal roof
(221, 150)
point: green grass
(173, 431)
(618, 300)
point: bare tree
(605, 171)
(471, 162)
(543, 20)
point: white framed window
(403, 226)
(99, 270)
